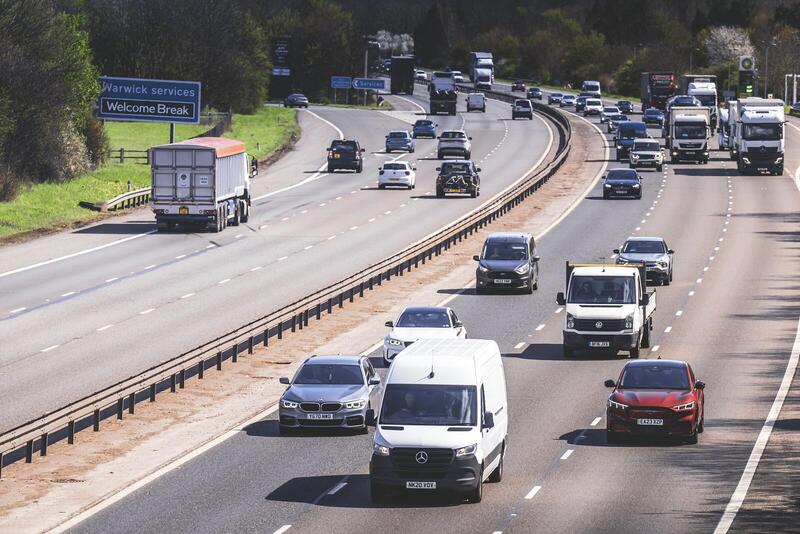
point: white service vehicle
(203, 181)
(476, 102)
(758, 140)
(594, 106)
(591, 88)
(421, 322)
(397, 173)
(443, 420)
(688, 133)
(608, 307)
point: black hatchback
(345, 154)
(622, 183)
(625, 106)
(508, 260)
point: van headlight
(466, 451)
(381, 450)
(663, 263)
(392, 342)
(483, 269)
(354, 404)
(746, 160)
(635, 186)
(779, 160)
(629, 322)
(522, 269)
(570, 321)
(289, 404)
(619, 147)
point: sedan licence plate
(690, 152)
(420, 485)
(502, 281)
(650, 422)
(320, 416)
(599, 344)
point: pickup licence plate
(599, 344)
(650, 422)
(420, 485)
(320, 416)
(690, 152)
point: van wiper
(459, 429)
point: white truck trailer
(759, 133)
(706, 93)
(688, 133)
(200, 182)
(481, 69)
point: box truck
(442, 93)
(402, 75)
(688, 133)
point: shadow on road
(132, 227)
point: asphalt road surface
(731, 311)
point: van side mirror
(560, 300)
(389, 324)
(645, 300)
(369, 417)
(374, 381)
(488, 420)
(610, 383)
(536, 258)
(284, 380)
(438, 168)
(699, 384)
(476, 257)
(477, 169)
(459, 324)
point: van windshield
(439, 405)
(602, 290)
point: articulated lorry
(402, 75)
(481, 70)
(442, 93)
(200, 182)
(704, 88)
(757, 132)
(688, 134)
(656, 89)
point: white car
(476, 101)
(567, 100)
(420, 75)
(594, 106)
(454, 142)
(607, 112)
(421, 322)
(458, 77)
(397, 173)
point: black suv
(345, 154)
(458, 176)
(622, 183)
(508, 260)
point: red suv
(518, 85)
(655, 397)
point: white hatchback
(397, 173)
(421, 322)
(607, 112)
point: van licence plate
(420, 485)
(599, 344)
(320, 416)
(502, 281)
(183, 211)
(650, 422)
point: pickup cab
(608, 307)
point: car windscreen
(456, 168)
(453, 135)
(644, 247)
(331, 374)
(556, 95)
(618, 117)
(398, 135)
(395, 167)
(622, 174)
(423, 319)
(647, 147)
(689, 131)
(505, 250)
(439, 405)
(602, 290)
(762, 132)
(632, 130)
(655, 377)
(522, 104)
(686, 101)
(707, 100)
(344, 146)
(423, 123)
(611, 109)
(593, 102)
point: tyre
(330, 168)
(513, 117)
(467, 155)
(237, 213)
(612, 437)
(692, 438)
(377, 492)
(410, 187)
(701, 424)
(439, 192)
(660, 168)
(497, 474)
(360, 168)
(381, 186)
(646, 335)
(473, 193)
(639, 197)
(605, 195)
(634, 352)
(670, 275)
(439, 155)
(476, 495)
(529, 288)
(535, 285)
(387, 150)
(245, 211)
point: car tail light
(439, 178)
(330, 153)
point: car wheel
(535, 284)
(467, 155)
(381, 186)
(473, 193)
(438, 155)
(569, 352)
(410, 187)
(701, 425)
(692, 438)
(670, 275)
(612, 437)
(377, 492)
(660, 168)
(360, 168)
(605, 195)
(497, 474)
(439, 193)
(476, 495)
(529, 288)
(331, 169)
(666, 280)
(634, 352)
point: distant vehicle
(507, 260)
(424, 128)
(625, 106)
(723, 130)
(651, 251)
(481, 69)
(442, 93)
(420, 75)
(397, 173)
(331, 392)
(626, 133)
(518, 85)
(795, 109)
(614, 120)
(535, 93)
(476, 101)
(653, 116)
(646, 152)
(622, 183)
(554, 98)
(401, 75)
(567, 100)
(210, 187)
(689, 131)
(607, 111)
(433, 388)
(580, 104)
(591, 87)
(399, 140)
(454, 142)
(704, 88)
(655, 397)
(458, 76)
(296, 100)
(593, 106)
(421, 322)
(458, 177)
(523, 108)
(608, 307)
(656, 89)
(345, 154)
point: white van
(443, 419)
(476, 101)
(591, 88)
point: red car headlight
(614, 405)
(684, 407)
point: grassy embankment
(47, 206)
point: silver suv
(454, 142)
(653, 252)
(646, 152)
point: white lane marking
(75, 254)
(68, 293)
(149, 267)
(257, 268)
(595, 421)
(567, 454)
(559, 310)
(283, 529)
(282, 258)
(637, 228)
(225, 281)
(287, 218)
(532, 493)
(180, 257)
(148, 310)
(17, 310)
(332, 237)
(540, 327)
(698, 281)
(112, 279)
(387, 212)
(188, 295)
(667, 330)
(323, 204)
(48, 349)
(705, 269)
(106, 327)
(337, 198)
(353, 228)
(740, 492)
(336, 488)
(711, 258)
(691, 293)
(353, 192)
(678, 313)
(308, 247)
(373, 219)
(655, 348)
(212, 245)
(644, 221)
(237, 236)
(519, 345)
(262, 226)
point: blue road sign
(133, 99)
(369, 83)
(341, 82)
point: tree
(726, 42)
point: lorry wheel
(660, 168)
(646, 335)
(635, 352)
(245, 211)
(236, 216)
(381, 186)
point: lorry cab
(688, 133)
(443, 420)
(759, 136)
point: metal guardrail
(130, 199)
(35, 435)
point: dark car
(655, 398)
(296, 100)
(626, 133)
(554, 98)
(424, 128)
(518, 85)
(622, 183)
(535, 93)
(625, 106)
(684, 100)
(795, 109)
(614, 120)
(458, 176)
(508, 260)
(345, 154)
(580, 104)
(653, 116)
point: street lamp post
(766, 64)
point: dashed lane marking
(567, 454)
(532, 493)
(48, 349)
(148, 310)
(519, 345)
(104, 328)
(595, 421)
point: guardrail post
(235, 353)
(219, 360)
(120, 407)
(172, 383)
(96, 420)
(305, 318)
(352, 292)
(71, 432)
(250, 343)
(29, 451)
(301, 320)
(388, 274)
(43, 445)
(361, 289)
(1, 465)
(280, 330)
(182, 379)
(341, 300)
(401, 268)
(266, 336)
(152, 392)
(131, 403)
(294, 323)
(371, 280)
(330, 305)
(319, 311)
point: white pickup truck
(608, 307)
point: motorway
(84, 309)
(731, 311)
